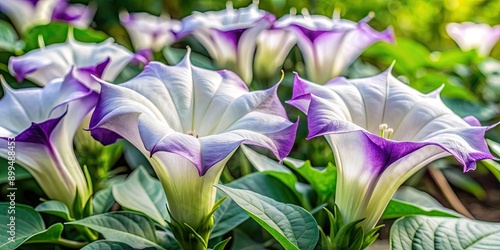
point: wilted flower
(229, 35)
(105, 60)
(27, 13)
(478, 36)
(273, 46)
(42, 122)
(150, 32)
(329, 46)
(382, 132)
(189, 121)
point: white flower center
(385, 131)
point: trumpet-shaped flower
(150, 32)
(478, 36)
(42, 122)
(229, 35)
(329, 46)
(273, 46)
(381, 132)
(26, 13)
(105, 60)
(189, 121)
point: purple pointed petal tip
(96, 70)
(39, 132)
(21, 68)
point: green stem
(63, 242)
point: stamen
(192, 133)
(382, 127)
(305, 12)
(389, 131)
(229, 5)
(41, 43)
(293, 11)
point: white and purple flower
(329, 46)
(381, 132)
(273, 46)
(189, 121)
(478, 36)
(42, 122)
(229, 35)
(105, 60)
(150, 32)
(25, 14)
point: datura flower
(42, 122)
(189, 121)
(273, 46)
(329, 46)
(150, 32)
(25, 14)
(229, 35)
(105, 60)
(382, 132)
(478, 36)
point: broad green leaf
(102, 201)
(130, 228)
(106, 244)
(8, 38)
(291, 225)
(50, 235)
(421, 232)
(432, 80)
(452, 57)
(58, 32)
(267, 165)
(27, 225)
(142, 193)
(408, 201)
(174, 56)
(230, 215)
(135, 158)
(322, 180)
(56, 208)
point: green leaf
(493, 167)
(174, 56)
(421, 232)
(131, 228)
(58, 32)
(56, 208)
(221, 245)
(8, 38)
(106, 244)
(143, 193)
(292, 226)
(103, 201)
(408, 201)
(266, 165)
(482, 112)
(50, 235)
(228, 216)
(452, 57)
(322, 180)
(28, 227)
(243, 241)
